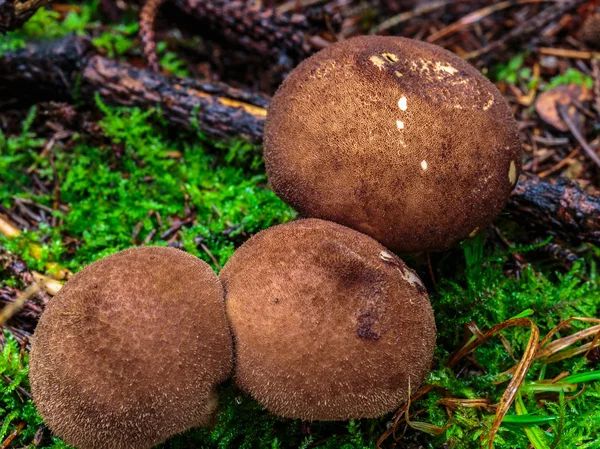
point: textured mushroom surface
(399, 139)
(130, 350)
(327, 323)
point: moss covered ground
(142, 183)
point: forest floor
(80, 180)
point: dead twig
(529, 27)
(421, 9)
(12, 308)
(69, 66)
(477, 16)
(567, 53)
(147, 35)
(573, 128)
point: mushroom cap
(327, 323)
(130, 350)
(393, 137)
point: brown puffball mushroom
(393, 137)
(131, 349)
(327, 323)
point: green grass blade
(534, 433)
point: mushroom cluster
(402, 142)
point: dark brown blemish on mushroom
(365, 325)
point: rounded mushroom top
(136, 342)
(399, 139)
(327, 323)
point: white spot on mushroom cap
(512, 173)
(377, 61)
(400, 124)
(439, 66)
(402, 104)
(424, 164)
(411, 277)
(488, 104)
(408, 274)
(384, 255)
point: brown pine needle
(477, 16)
(431, 429)
(456, 402)
(9, 439)
(562, 343)
(571, 353)
(573, 128)
(403, 17)
(514, 385)
(7, 228)
(11, 309)
(567, 53)
(551, 350)
(565, 323)
(400, 413)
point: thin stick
(403, 17)
(590, 152)
(568, 53)
(11, 309)
(529, 27)
(147, 34)
(477, 16)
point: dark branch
(69, 69)
(559, 206)
(283, 37)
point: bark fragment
(559, 206)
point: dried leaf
(566, 96)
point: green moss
(141, 174)
(571, 76)
(118, 40)
(47, 24)
(511, 71)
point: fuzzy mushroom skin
(327, 323)
(396, 138)
(131, 349)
